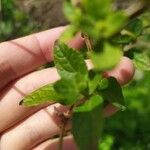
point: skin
(24, 128)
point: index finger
(23, 55)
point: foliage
(88, 116)
(130, 129)
(75, 83)
(86, 90)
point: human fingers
(123, 72)
(41, 126)
(11, 112)
(123, 75)
(26, 54)
(17, 133)
(52, 144)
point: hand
(23, 128)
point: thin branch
(60, 144)
(88, 42)
(65, 118)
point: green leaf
(106, 143)
(42, 95)
(142, 61)
(131, 52)
(72, 13)
(135, 27)
(112, 92)
(93, 81)
(122, 39)
(68, 90)
(68, 34)
(68, 61)
(108, 58)
(94, 22)
(92, 9)
(87, 124)
(103, 84)
(118, 19)
(132, 30)
(70, 64)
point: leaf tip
(120, 107)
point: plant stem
(60, 145)
(88, 42)
(65, 117)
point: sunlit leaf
(68, 34)
(70, 64)
(42, 95)
(93, 81)
(108, 58)
(142, 61)
(68, 90)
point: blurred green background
(128, 130)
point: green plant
(130, 129)
(85, 91)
